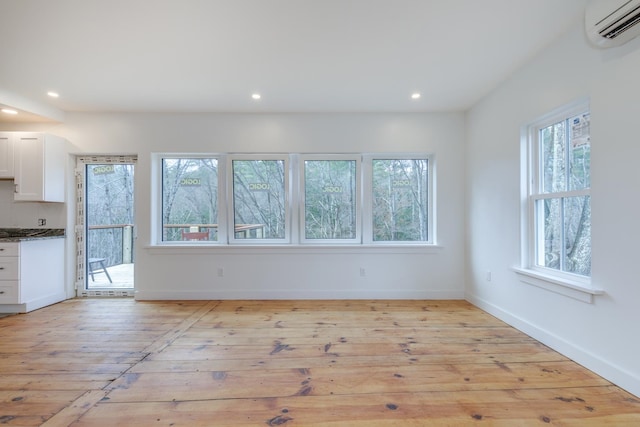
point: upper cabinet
(39, 167)
(6, 155)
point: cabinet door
(9, 268)
(40, 165)
(29, 168)
(6, 155)
(9, 292)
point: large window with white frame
(260, 203)
(189, 198)
(305, 199)
(400, 202)
(559, 199)
(330, 205)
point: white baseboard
(589, 360)
(296, 295)
(45, 301)
(33, 304)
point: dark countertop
(20, 234)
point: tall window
(189, 199)
(330, 199)
(400, 200)
(560, 200)
(259, 202)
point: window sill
(570, 288)
(185, 248)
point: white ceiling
(301, 55)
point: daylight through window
(259, 203)
(295, 199)
(189, 199)
(560, 194)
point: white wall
(26, 214)
(601, 335)
(291, 272)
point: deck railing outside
(242, 231)
(113, 242)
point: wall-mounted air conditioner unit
(611, 23)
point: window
(189, 199)
(400, 200)
(309, 199)
(559, 196)
(330, 199)
(259, 201)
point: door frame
(80, 224)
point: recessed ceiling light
(53, 94)
(415, 95)
(256, 96)
(9, 111)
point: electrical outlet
(220, 272)
(42, 222)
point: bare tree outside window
(330, 199)
(189, 197)
(259, 199)
(400, 200)
(109, 209)
(563, 206)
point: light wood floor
(116, 362)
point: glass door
(106, 218)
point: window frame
(533, 192)
(157, 189)
(302, 198)
(368, 226)
(294, 200)
(230, 179)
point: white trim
(294, 194)
(298, 295)
(107, 293)
(560, 195)
(367, 160)
(34, 303)
(186, 249)
(531, 193)
(230, 179)
(616, 374)
(358, 197)
(81, 163)
(156, 220)
(575, 289)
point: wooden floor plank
(249, 336)
(105, 362)
(31, 408)
(182, 386)
(595, 406)
(169, 337)
(162, 363)
(77, 409)
(330, 351)
(32, 359)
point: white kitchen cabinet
(31, 274)
(6, 155)
(40, 164)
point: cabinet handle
(1, 292)
(1, 268)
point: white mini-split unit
(610, 23)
